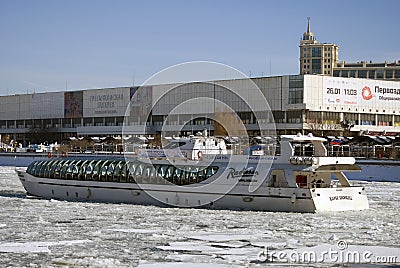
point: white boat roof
(300, 137)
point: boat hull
(238, 198)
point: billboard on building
(73, 104)
(361, 92)
(105, 102)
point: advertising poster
(73, 104)
(361, 92)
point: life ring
(199, 155)
(49, 155)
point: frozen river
(49, 233)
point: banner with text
(361, 92)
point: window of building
(362, 73)
(350, 119)
(312, 117)
(397, 120)
(397, 74)
(316, 52)
(367, 119)
(331, 118)
(353, 73)
(296, 88)
(379, 74)
(294, 117)
(389, 73)
(336, 73)
(316, 66)
(371, 74)
(384, 120)
(279, 116)
(345, 73)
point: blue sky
(48, 45)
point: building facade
(323, 105)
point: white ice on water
(26, 247)
(36, 232)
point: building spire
(308, 36)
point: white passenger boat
(302, 178)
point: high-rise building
(323, 58)
(315, 57)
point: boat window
(63, 171)
(110, 171)
(68, 171)
(70, 168)
(178, 176)
(82, 170)
(103, 171)
(96, 170)
(303, 149)
(53, 168)
(43, 168)
(146, 173)
(131, 169)
(89, 170)
(37, 168)
(57, 170)
(30, 167)
(138, 172)
(169, 173)
(33, 168)
(47, 170)
(123, 171)
(201, 174)
(191, 175)
(75, 169)
(116, 175)
(160, 174)
(209, 172)
(158, 177)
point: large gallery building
(329, 97)
(298, 103)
